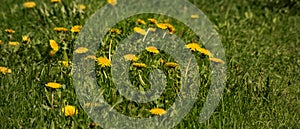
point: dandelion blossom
(53, 85)
(162, 26)
(114, 30)
(5, 70)
(69, 110)
(9, 31)
(81, 6)
(205, 52)
(158, 111)
(1, 42)
(29, 4)
(139, 65)
(152, 20)
(112, 2)
(54, 45)
(152, 29)
(60, 29)
(81, 50)
(55, 1)
(130, 57)
(139, 30)
(140, 21)
(103, 62)
(13, 43)
(52, 53)
(25, 39)
(194, 16)
(171, 64)
(217, 60)
(91, 57)
(65, 63)
(76, 29)
(193, 46)
(152, 49)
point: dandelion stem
(146, 35)
(52, 101)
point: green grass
(260, 39)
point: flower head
(195, 16)
(139, 30)
(69, 110)
(140, 21)
(103, 62)
(81, 50)
(29, 4)
(205, 52)
(25, 39)
(81, 6)
(5, 70)
(162, 26)
(60, 29)
(76, 29)
(193, 46)
(53, 85)
(217, 60)
(152, 20)
(55, 1)
(1, 42)
(170, 28)
(114, 30)
(152, 29)
(171, 64)
(139, 65)
(54, 45)
(158, 111)
(112, 2)
(13, 43)
(9, 31)
(65, 63)
(152, 49)
(130, 57)
(91, 57)
(52, 53)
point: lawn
(38, 47)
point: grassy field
(260, 39)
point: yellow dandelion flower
(25, 39)
(152, 49)
(81, 6)
(29, 4)
(112, 2)
(76, 29)
(13, 43)
(193, 46)
(91, 57)
(69, 110)
(195, 16)
(103, 62)
(158, 111)
(152, 20)
(60, 29)
(170, 28)
(65, 63)
(9, 31)
(161, 60)
(1, 42)
(53, 85)
(140, 21)
(162, 26)
(140, 65)
(152, 29)
(171, 64)
(52, 53)
(139, 30)
(217, 60)
(55, 1)
(114, 30)
(54, 45)
(130, 57)
(204, 51)
(81, 50)
(4, 70)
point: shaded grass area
(262, 54)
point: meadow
(260, 38)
